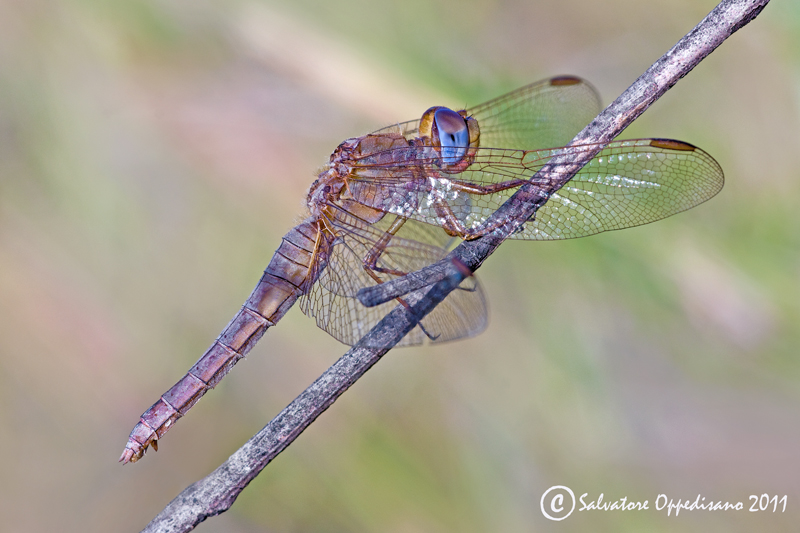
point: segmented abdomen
(284, 280)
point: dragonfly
(394, 201)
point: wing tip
(672, 144)
(565, 80)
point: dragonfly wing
(332, 300)
(407, 129)
(544, 114)
(628, 184)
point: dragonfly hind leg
(370, 265)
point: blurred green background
(152, 154)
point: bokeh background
(152, 154)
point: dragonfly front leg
(450, 222)
(455, 228)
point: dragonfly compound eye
(453, 135)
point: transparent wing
(332, 299)
(628, 184)
(544, 114)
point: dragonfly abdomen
(282, 283)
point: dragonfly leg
(425, 331)
(370, 260)
(452, 225)
(400, 300)
(314, 263)
(471, 188)
(370, 264)
(455, 228)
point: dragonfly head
(450, 133)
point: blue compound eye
(453, 135)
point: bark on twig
(216, 492)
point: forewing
(332, 300)
(545, 114)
